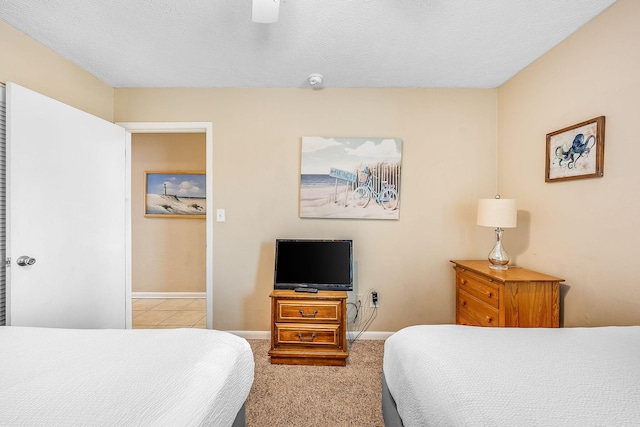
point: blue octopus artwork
(578, 149)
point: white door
(66, 205)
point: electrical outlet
(375, 300)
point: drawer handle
(463, 281)
(303, 314)
(490, 294)
(489, 319)
(313, 336)
(463, 302)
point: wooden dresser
(309, 328)
(516, 297)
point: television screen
(318, 264)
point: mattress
(446, 375)
(173, 377)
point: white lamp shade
(498, 213)
(265, 11)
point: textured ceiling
(353, 43)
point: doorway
(168, 248)
(187, 128)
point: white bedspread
(177, 377)
(449, 375)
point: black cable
(356, 306)
(367, 322)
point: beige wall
(28, 63)
(168, 254)
(585, 231)
(449, 157)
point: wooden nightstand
(309, 328)
(516, 297)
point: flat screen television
(314, 264)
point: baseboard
(166, 295)
(265, 335)
(373, 335)
(252, 335)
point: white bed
(172, 377)
(451, 375)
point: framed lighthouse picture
(175, 194)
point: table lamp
(498, 213)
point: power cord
(353, 309)
(363, 317)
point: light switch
(220, 215)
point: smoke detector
(315, 80)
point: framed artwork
(175, 194)
(576, 152)
(356, 178)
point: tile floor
(156, 313)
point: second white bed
(451, 375)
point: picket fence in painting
(350, 177)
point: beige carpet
(310, 396)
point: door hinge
(7, 262)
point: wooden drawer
(515, 297)
(471, 307)
(309, 329)
(479, 287)
(464, 320)
(305, 334)
(307, 311)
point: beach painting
(173, 194)
(352, 177)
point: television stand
(309, 328)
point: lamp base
(498, 258)
(498, 266)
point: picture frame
(576, 152)
(350, 178)
(175, 194)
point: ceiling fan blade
(265, 11)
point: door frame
(175, 127)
